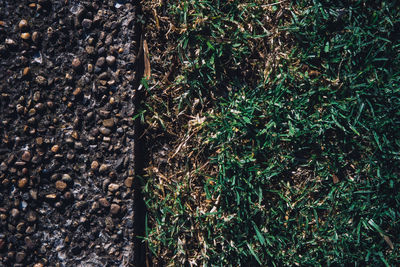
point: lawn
(274, 130)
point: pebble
(25, 35)
(32, 216)
(32, 112)
(50, 104)
(103, 168)
(75, 135)
(110, 60)
(104, 130)
(38, 265)
(33, 194)
(66, 177)
(41, 80)
(51, 196)
(100, 62)
(22, 183)
(101, 50)
(35, 37)
(90, 68)
(113, 187)
(29, 243)
(87, 23)
(94, 165)
(20, 257)
(14, 213)
(128, 182)
(89, 49)
(26, 156)
(36, 96)
(39, 141)
(26, 71)
(55, 148)
(77, 91)
(76, 63)
(103, 76)
(104, 202)
(114, 209)
(10, 42)
(60, 185)
(109, 123)
(20, 227)
(23, 24)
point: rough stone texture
(66, 155)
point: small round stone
(100, 62)
(10, 42)
(55, 148)
(104, 130)
(104, 168)
(20, 257)
(75, 135)
(76, 63)
(89, 49)
(26, 35)
(36, 96)
(104, 202)
(60, 185)
(14, 213)
(87, 23)
(94, 165)
(23, 24)
(35, 37)
(26, 71)
(22, 183)
(26, 156)
(66, 177)
(110, 60)
(41, 80)
(109, 123)
(32, 216)
(128, 182)
(90, 67)
(39, 141)
(113, 187)
(114, 209)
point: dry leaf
(388, 241)
(156, 19)
(147, 70)
(335, 179)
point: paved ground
(66, 150)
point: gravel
(66, 108)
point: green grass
(301, 138)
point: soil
(67, 89)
